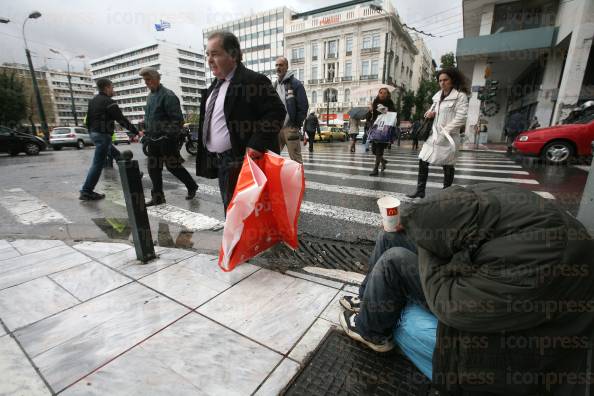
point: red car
(558, 143)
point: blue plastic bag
(415, 334)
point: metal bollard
(586, 211)
(134, 196)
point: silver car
(70, 136)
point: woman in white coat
(449, 111)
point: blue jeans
(393, 280)
(103, 146)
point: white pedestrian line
(545, 194)
(193, 221)
(458, 176)
(395, 163)
(585, 168)
(414, 158)
(414, 162)
(347, 176)
(29, 210)
(360, 192)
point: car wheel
(57, 148)
(557, 153)
(32, 149)
(80, 144)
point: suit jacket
(253, 111)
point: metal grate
(342, 366)
(320, 252)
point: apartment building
(181, 69)
(83, 89)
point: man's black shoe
(417, 194)
(90, 196)
(374, 173)
(191, 193)
(155, 201)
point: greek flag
(162, 26)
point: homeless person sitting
(509, 276)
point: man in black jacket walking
(241, 114)
(101, 114)
(311, 126)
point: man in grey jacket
(293, 96)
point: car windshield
(61, 131)
(584, 119)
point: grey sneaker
(350, 303)
(347, 321)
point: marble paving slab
(71, 344)
(35, 265)
(271, 308)
(89, 280)
(334, 308)
(29, 302)
(18, 376)
(193, 356)
(100, 249)
(196, 279)
(278, 379)
(125, 261)
(310, 340)
(28, 246)
(7, 251)
(317, 279)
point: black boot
(376, 167)
(448, 175)
(383, 164)
(156, 199)
(422, 180)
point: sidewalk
(87, 318)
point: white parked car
(70, 136)
(121, 137)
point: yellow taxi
(331, 134)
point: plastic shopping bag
(264, 209)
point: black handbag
(425, 129)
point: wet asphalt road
(329, 211)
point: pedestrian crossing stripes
(414, 173)
(29, 210)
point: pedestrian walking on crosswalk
(377, 148)
(449, 111)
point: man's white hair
(151, 72)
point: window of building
(300, 75)
(330, 95)
(349, 45)
(348, 69)
(365, 68)
(332, 49)
(297, 53)
(314, 97)
(374, 67)
(366, 41)
(314, 72)
(331, 71)
(375, 40)
(526, 14)
(314, 51)
(347, 95)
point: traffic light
(489, 91)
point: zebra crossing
(338, 188)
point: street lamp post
(44, 126)
(69, 80)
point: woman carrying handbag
(383, 98)
(448, 111)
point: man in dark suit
(241, 114)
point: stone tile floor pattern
(87, 318)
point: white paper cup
(390, 210)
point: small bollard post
(134, 196)
(586, 211)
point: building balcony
(330, 80)
(297, 60)
(347, 78)
(331, 56)
(349, 53)
(368, 77)
(371, 50)
(314, 81)
(315, 57)
(504, 44)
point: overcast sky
(98, 27)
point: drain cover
(342, 366)
(320, 252)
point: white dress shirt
(220, 140)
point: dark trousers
(449, 172)
(415, 144)
(229, 168)
(103, 146)
(165, 152)
(311, 137)
(392, 281)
